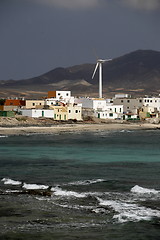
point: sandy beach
(74, 128)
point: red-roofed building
(12, 104)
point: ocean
(102, 185)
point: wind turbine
(99, 64)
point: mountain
(137, 73)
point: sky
(37, 36)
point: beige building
(60, 113)
(32, 104)
(67, 112)
(148, 112)
(74, 112)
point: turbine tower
(99, 64)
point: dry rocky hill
(137, 73)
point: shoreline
(89, 127)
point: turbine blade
(95, 70)
(107, 60)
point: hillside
(137, 72)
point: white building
(36, 113)
(60, 96)
(110, 112)
(153, 102)
(103, 108)
(93, 103)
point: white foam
(63, 193)
(34, 186)
(13, 191)
(141, 190)
(10, 181)
(86, 182)
(3, 136)
(129, 211)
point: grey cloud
(150, 5)
(143, 4)
(72, 4)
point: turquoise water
(104, 185)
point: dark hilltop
(136, 73)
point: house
(148, 112)
(36, 113)
(102, 108)
(93, 103)
(35, 104)
(60, 112)
(110, 112)
(74, 112)
(63, 96)
(130, 105)
(152, 102)
(13, 104)
(66, 112)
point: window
(111, 114)
(121, 100)
(40, 103)
(76, 111)
(150, 100)
(59, 94)
(115, 110)
(120, 110)
(128, 101)
(69, 111)
(140, 100)
(33, 104)
(67, 94)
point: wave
(10, 181)
(34, 186)
(23, 185)
(3, 136)
(129, 211)
(87, 182)
(63, 193)
(141, 190)
(125, 131)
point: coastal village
(62, 106)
